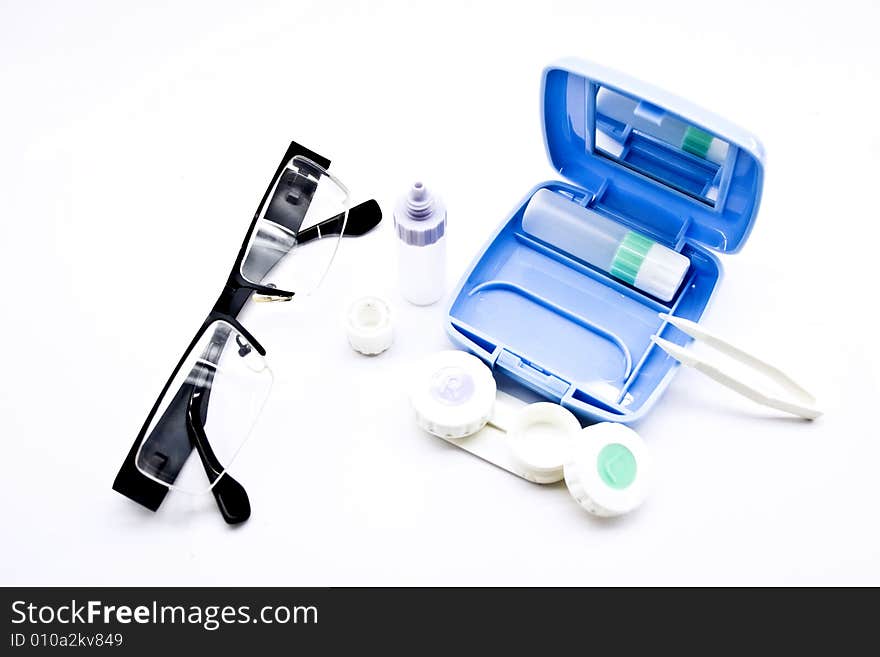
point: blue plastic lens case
(666, 170)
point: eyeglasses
(210, 403)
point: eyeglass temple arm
(287, 207)
(362, 218)
(290, 201)
(231, 497)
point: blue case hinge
(536, 378)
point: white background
(135, 143)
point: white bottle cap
(452, 394)
(368, 326)
(661, 272)
(420, 216)
(540, 437)
(609, 469)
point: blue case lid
(648, 161)
(647, 171)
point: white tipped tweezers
(802, 403)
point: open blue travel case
(657, 164)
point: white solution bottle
(420, 223)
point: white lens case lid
(368, 325)
(452, 394)
(609, 469)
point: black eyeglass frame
(231, 497)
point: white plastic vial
(625, 254)
(420, 224)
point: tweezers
(801, 402)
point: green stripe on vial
(629, 256)
(696, 141)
